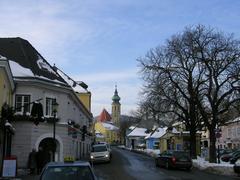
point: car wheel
(156, 163)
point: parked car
(227, 157)
(236, 166)
(224, 151)
(68, 170)
(174, 159)
(100, 153)
(234, 157)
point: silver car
(100, 153)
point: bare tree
(218, 55)
(194, 76)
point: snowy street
(128, 165)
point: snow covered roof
(159, 132)
(234, 120)
(26, 62)
(138, 132)
(74, 84)
(2, 57)
(110, 126)
(99, 135)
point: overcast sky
(98, 41)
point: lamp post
(55, 108)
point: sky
(98, 41)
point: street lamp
(54, 108)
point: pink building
(230, 135)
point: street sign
(9, 167)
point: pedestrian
(40, 160)
(32, 161)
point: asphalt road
(126, 165)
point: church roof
(115, 97)
(104, 116)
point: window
(229, 132)
(49, 106)
(234, 132)
(22, 103)
(238, 131)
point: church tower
(116, 108)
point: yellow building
(6, 95)
(6, 82)
(178, 140)
(85, 98)
(108, 131)
(107, 126)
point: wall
(85, 99)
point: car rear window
(99, 148)
(181, 154)
(67, 173)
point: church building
(106, 125)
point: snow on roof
(2, 57)
(110, 127)
(99, 135)
(138, 132)
(20, 71)
(159, 132)
(234, 120)
(76, 87)
(132, 127)
(43, 65)
(26, 62)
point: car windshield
(99, 148)
(67, 172)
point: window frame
(49, 106)
(23, 110)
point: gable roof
(104, 116)
(26, 62)
(138, 132)
(157, 133)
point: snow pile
(222, 168)
(138, 132)
(152, 152)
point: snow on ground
(199, 163)
(222, 168)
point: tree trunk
(212, 150)
(193, 143)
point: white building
(36, 80)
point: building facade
(37, 82)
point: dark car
(174, 159)
(234, 157)
(227, 157)
(67, 171)
(236, 166)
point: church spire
(115, 97)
